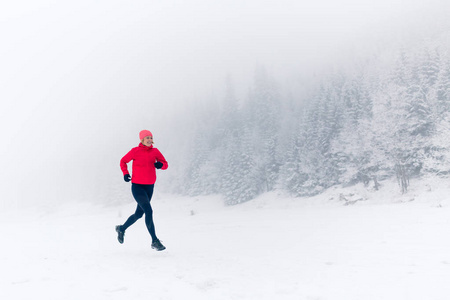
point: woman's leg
(143, 194)
(133, 218)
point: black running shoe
(156, 244)
(120, 234)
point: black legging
(142, 193)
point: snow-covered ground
(346, 244)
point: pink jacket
(144, 158)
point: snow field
(270, 248)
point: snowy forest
(380, 118)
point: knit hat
(144, 133)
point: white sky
(85, 74)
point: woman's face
(147, 141)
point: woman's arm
(160, 158)
(126, 159)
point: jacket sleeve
(126, 159)
(160, 158)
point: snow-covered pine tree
(242, 186)
(442, 87)
(233, 160)
(291, 177)
(263, 109)
(202, 176)
(350, 150)
(437, 159)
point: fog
(80, 79)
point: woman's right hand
(127, 177)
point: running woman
(146, 159)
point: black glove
(158, 165)
(127, 177)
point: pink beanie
(144, 133)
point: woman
(145, 159)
